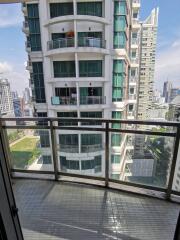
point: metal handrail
(107, 130)
(64, 101)
(91, 42)
(89, 100)
(60, 43)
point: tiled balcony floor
(52, 211)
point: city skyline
(13, 59)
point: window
(91, 68)
(116, 115)
(134, 35)
(135, 15)
(115, 176)
(61, 9)
(120, 40)
(133, 72)
(120, 23)
(68, 139)
(44, 138)
(68, 164)
(131, 90)
(91, 139)
(67, 115)
(115, 140)
(133, 54)
(119, 68)
(92, 164)
(46, 159)
(115, 159)
(131, 107)
(120, 8)
(34, 38)
(42, 114)
(91, 115)
(89, 8)
(38, 78)
(64, 69)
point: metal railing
(90, 100)
(64, 100)
(68, 148)
(91, 42)
(91, 148)
(171, 130)
(61, 43)
(132, 97)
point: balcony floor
(51, 211)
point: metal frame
(52, 125)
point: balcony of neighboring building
(52, 188)
(25, 27)
(136, 4)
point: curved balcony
(85, 44)
(92, 100)
(91, 148)
(68, 148)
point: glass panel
(61, 9)
(67, 115)
(143, 159)
(120, 23)
(81, 152)
(91, 68)
(30, 149)
(91, 115)
(120, 8)
(64, 69)
(89, 8)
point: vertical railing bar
(107, 155)
(54, 150)
(6, 146)
(173, 165)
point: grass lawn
(24, 152)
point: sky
(13, 56)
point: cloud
(5, 67)
(16, 74)
(10, 15)
(168, 65)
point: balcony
(91, 42)
(64, 101)
(59, 210)
(92, 100)
(61, 43)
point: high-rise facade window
(89, 8)
(64, 69)
(34, 27)
(61, 9)
(90, 68)
(38, 77)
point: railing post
(173, 165)
(6, 146)
(54, 150)
(107, 155)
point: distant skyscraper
(26, 96)
(167, 90)
(147, 64)
(6, 103)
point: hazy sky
(13, 55)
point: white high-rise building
(82, 64)
(147, 65)
(6, 102)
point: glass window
(116, 115)
(131, 91)
(116, 140)
(115, 176)
(98, 163)
(68, 139)
(61, 9)
(46, 159)
(133, 54)
(120, 8)
(68, 164)
(91, 68)
(67, 115)
(64, 69)
(91, 115)
(38, 78)
(42, 114)
(44, 138)
(120, 40)
(89, 8)
(95, 164)
(131, 107)
(91, 139)
(120, 23)
(87, 164)
(115, 159)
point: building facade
(6, 102)
(147, 64)
(84, 62)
